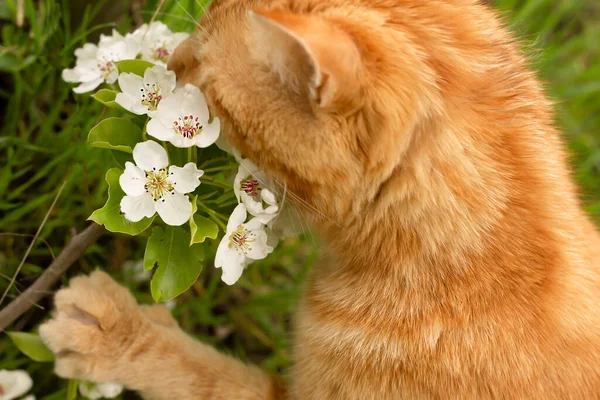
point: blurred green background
(43, 144)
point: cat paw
(160, 315)
(95, 323)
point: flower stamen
(106, 68)
(188, 126)
(157, 183)
(240, 240)
(251, 186)
(151, 96)
(161, 53)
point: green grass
(42, 145)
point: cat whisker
(171, 15)
(195, 20)
(204, 10)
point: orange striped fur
(459, 263)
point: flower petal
(210, 133)
(150, 155)
(259, 249)
(14, 383)
(165, 79)
(238, 216)
(223, 144)
(268, 197)
(131, 84)
(232, 272)
(186, 179)
(88, 86)
(194, 103)
(70, 75)
(156, 129)
(133, 180)
(174, 208)
(230, 260)
(109, 390)
(169, 109)
(136, 208)
(89, 390)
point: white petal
(169, 109)
(88, 51)
(133, 180)
(30, 397)
(14, 383)
(88, 86)
(254, 207)
(238, 216)
(109, 390)
(194, 103)
(181, 142)
(163, 78)
(259, 248)
(131, 84)
(186, 179)
(89, 390)
(70, 75)
(150, 155)
(231, 261)
(232, 272)
(174, 208)
(136, 208)
(210, 133)
(268, 197)
(156, 129)
(237, 182)
(126, 101)
(224, 145)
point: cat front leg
(99, 333)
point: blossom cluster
(16, 383)
(176, 114)
(96, 63)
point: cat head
(325, 96)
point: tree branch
(71, 253)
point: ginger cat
(460, 264)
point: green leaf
(32, 346)
(110, 215)
(202, 228)
(115, 134)
(72, 389)
(179, 264)
(137, 67)
(107, 97)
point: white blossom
(143, 95)
(151, 186)
(182, 119)
(96, 63)
(249, 188)
(156, 42)
(94, 391)
(14, 384)
(243, 242)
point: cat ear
(311, 53)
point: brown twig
(73, 251)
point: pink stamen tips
(251, 187)
(151, 97)
(187, 127)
